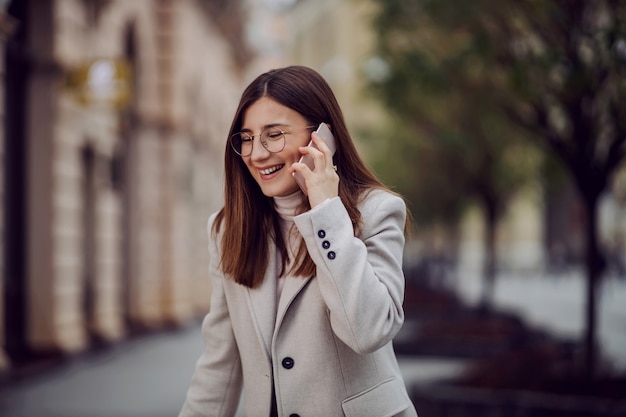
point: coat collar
(267, 312)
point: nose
(258, 150)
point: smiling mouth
(271, 170)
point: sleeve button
(326, 244)
(321, 234)
(331, 255)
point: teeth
(270, 170)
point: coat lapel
(266, 311)
(291, 288)
(262, 304)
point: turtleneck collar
(287, 206)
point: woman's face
(271, 170)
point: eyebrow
(267, 126)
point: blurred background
(502, 123)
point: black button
(294, 415)
(326, 244)
(331, 255)
(321, 234)
(288, 363)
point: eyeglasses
(272, 139)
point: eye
(274, 134)
(245, 137)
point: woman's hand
(322, 182)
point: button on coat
(288, 363)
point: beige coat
(325, 347)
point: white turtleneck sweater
(286, 208)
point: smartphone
(323, 132)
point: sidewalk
(557, 304)
(145, 377)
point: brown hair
(249, 219)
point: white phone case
(323, 132)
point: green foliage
(441, 91)
(404, 160)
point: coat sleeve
(217, 379)
(360, 278)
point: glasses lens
(273, 139)
(241, 143)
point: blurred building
(7, 27)
(334, 37)
(114, 120)
(520, 236)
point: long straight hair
(248, 217)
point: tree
(559, 72)
(457, 144)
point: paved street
(140, 378)
(146, 377)
(557, 304)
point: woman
(307, 290)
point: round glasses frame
(272, 139)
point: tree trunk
(593, 269)
(490, 255)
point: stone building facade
(112, 165)
(7, 26)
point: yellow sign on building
(102, 82)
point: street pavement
(556, 303)
(148, 376)
(143, 377)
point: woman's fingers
(322, 146)
(322, 180)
